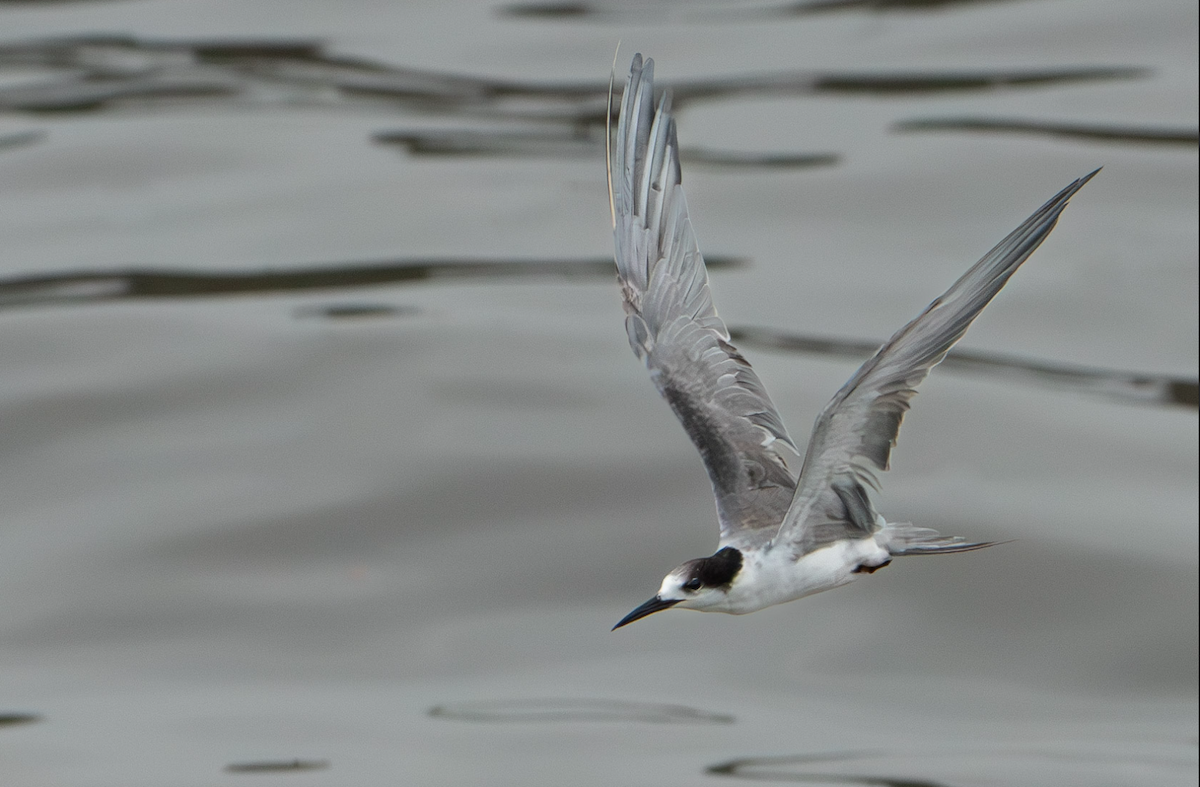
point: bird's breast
(775, 576)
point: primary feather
(673, 327)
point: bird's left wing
(855, 433)
(674, 328)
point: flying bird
(783, 536)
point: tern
(782, 536)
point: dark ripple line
(92, 286)
(96, 286)
(20, 139)
(353, 311)
(641, 12)
(277, 766)
(1088, 132)
(776, 768)
(575, 710)
(1116, 384)
(109, 72)
(573, 145)
(741, 768)
(37, 3)
(892, 83)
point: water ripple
(572, 144)
(277, 766)
(1133, 387)
(1088, 132)
(11, 719)
(94, 73)
(1019, 766)
(630, 12)
(77, 287)
(576, 710)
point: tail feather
(904, 539)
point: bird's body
(775, 576)
(783, 535)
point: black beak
(655, 604)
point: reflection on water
(617, 11)
(569, 710)
(90, 287)
(794, 769)
(587, 143)
(108, 72)
(100, 72)
(826, 6)
(281, 766)
(1090, 132)
(891, 83)
(20, 139)
(46, 2)
(13, 719)
(721, 158)
(1049, 764)
(1121, 385)
(353, 311)
(261, 535)
(86, 287)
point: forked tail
(905, 539)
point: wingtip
(1081, 182)
(1059, 201)
(642, 66)
(664, 101)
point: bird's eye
(692, 585)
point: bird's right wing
(855, 433)
(674, 328)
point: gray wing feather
(674, 328)
(855, 433)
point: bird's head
(697, 584)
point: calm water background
(375, 530)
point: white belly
(774, 577)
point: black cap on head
(717, 571)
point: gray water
(324, 460)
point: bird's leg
(863, 568)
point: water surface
(324, 460)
